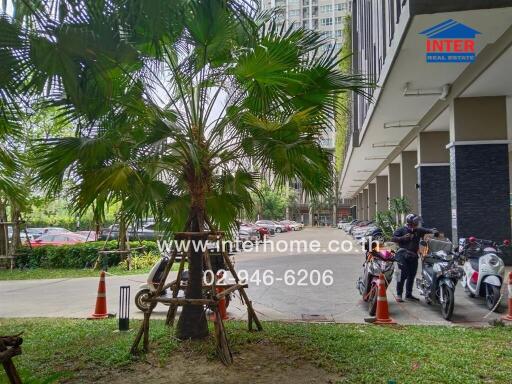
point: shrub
(143, 261)
(75, 256)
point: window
(339, 20)
(340, 6)
(325, 8)
(338, 33)
(294, 12)
(326, 21)
(328, 33)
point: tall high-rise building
(328, 17)
(321, 15)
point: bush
(75, 256)
(143, 261)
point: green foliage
(75, 256)
(343, 110)
(389, 221)
(272, 202)
(143, 261)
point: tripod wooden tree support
(210, 298)
(10, 346)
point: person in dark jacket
(408, 240)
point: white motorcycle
(153, 280)
(484, 270)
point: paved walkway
(338, 302)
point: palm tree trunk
(122, 233)
(192, 323)
(4, 241)
(16, 228)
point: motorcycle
(154, 278)
(376, 262)
(484, 270)
(439, 275)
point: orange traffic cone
(382, 304)
(100, 312)
(509, 316)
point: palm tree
(176, 103)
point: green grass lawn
(358, 353)
(43, 273)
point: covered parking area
(437, 133)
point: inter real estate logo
(450, 42)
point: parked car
(267, 224)
(89, 235)
(65, 238)
(286, 225)
(280, 227)
(358, 226)
(248, 232)
(262, 231)
(49, 230)
(23, 235)
(35, 232)
(145, 232)
(293, 225)
(346, 227)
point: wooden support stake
(171, 313)
(242, 291)
(144, 328)
(223, 349)
(180, 301)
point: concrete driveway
(279, 300)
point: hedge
(74, 256)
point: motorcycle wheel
(139, 297)
(492, 296)
(449, 302)
(372, 300)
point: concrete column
(381, 192)
(365, 204)
(360, 206)
(371, 201)
(479, 168)
(433, 169)
(394, 182)
(408, 178)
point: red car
(58, 239)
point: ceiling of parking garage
(410, 67)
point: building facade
(328, 17)
(437, 129)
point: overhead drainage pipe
(443, 92)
